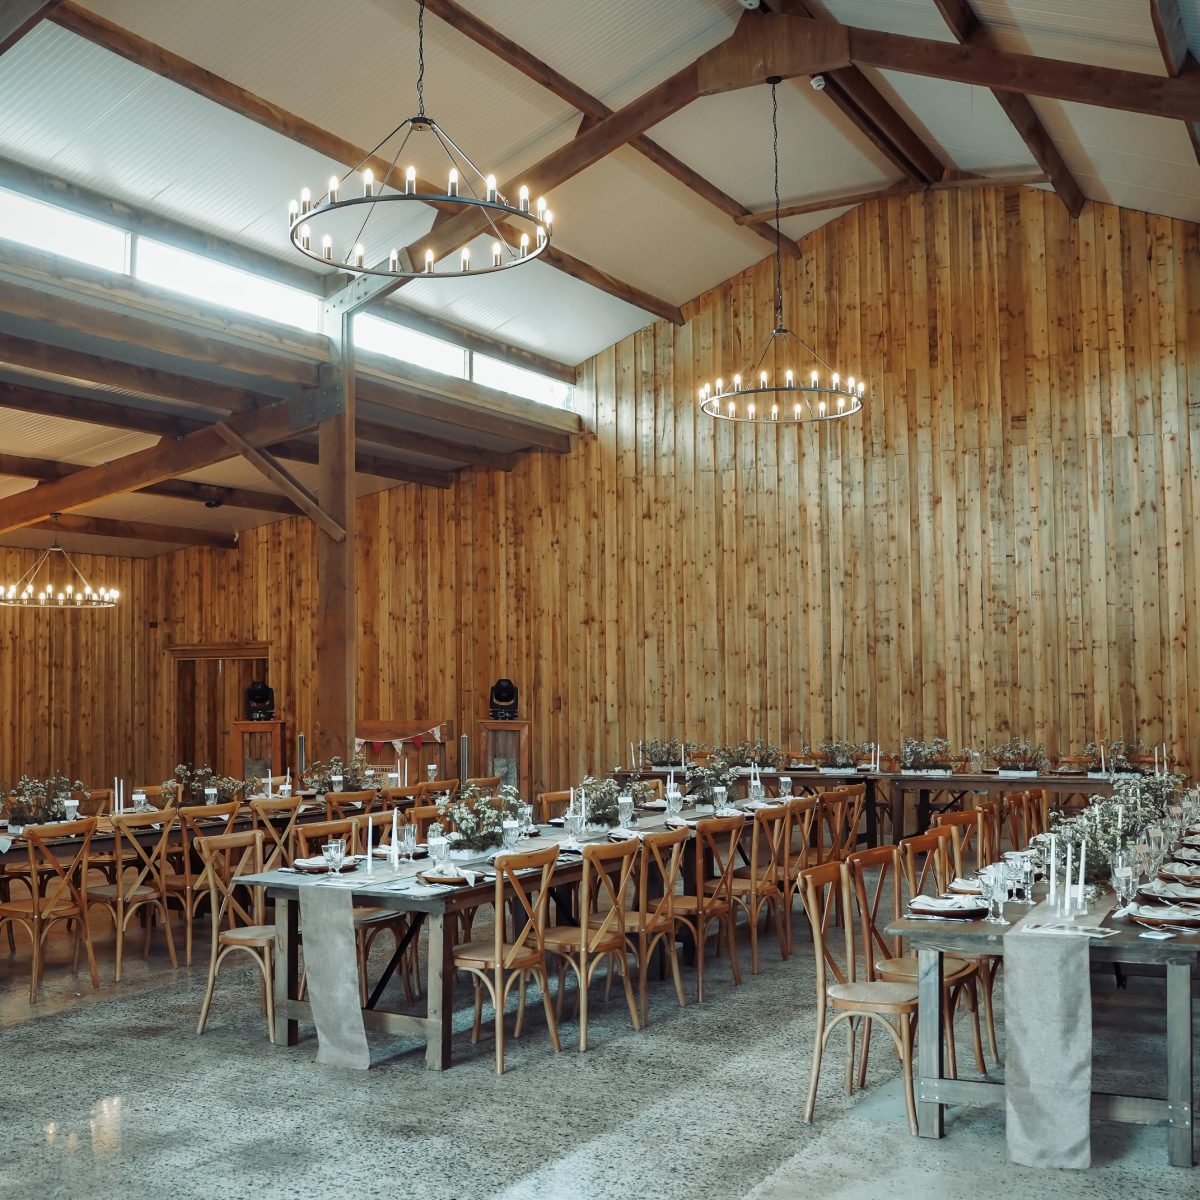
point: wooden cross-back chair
(422, 816)
(497, 964)
(340, 805)
(803, 812)
(140, 878)
(711, 902)
(312, 836)
(486, 783)
(551, 804)
(973, 840)
(276, 820)
(58, 892)
(158, 796)
(1027, 816)
(766, 882)
(652, 921)
(840, 990)
(402, 798)
(834, 831)
(877, 879)
(604, 892)
(189, 885)
(97, 803)
(237, 913)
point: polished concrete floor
(112, 1094)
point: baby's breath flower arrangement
(478, 824)
(750, 754)
(660, 753)
(1116, 759)
(39, 801)
(704, 778)
(319, 776)
(841, 752)
(1018, 754)
(192, 782)
(599, 799)
(918, 755)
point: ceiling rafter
(969, 30)
(1177, 54)
(143, 531)
(593, 110)
(182, 71)
(214, 495)
(870, 112)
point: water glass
(624, 809)
(674, 802)
(512, 833)
(754, 791)
(1124, 878)
(431, 771)
(785, 785)
(720, 798)
(140, 803)
(439, 847)
(995, 892)
(573, 824)
(526, 817)
(336, 782)
(210, 795)
(1156, 840)
(335, 854)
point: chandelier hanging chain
(421, 60)
(520, 231)
(778, 233)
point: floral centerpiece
(1113, 821)
(40, 801)
(842, 753)
(1115, 759)
(598, 798)
(918, 755)
(703, 779)
(188, 785)
(473, 819)
(319, 775)
(1019, 756)
(669, 753)
(751, 754)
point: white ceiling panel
(35, 435)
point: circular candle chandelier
(28, 592)
(810, 390)
(351, 231)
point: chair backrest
(422, 816)
(46, 868)
(276, 819)
(802, 816)
(716, 842)
(770, 851)
(926, 861)
(857, 792)
(875, 882)
(486, 783)
(340, 805)
(148, 863)
(821, 887)
(201, 820)
(527, 900)
(402, 797)
(380, 824)
(550, 803)
(310, 837)
(227, 858)
(969, 838)
(605, 890)
(833, 824)
(97, 803)
(1027, 816)
(159, 797)
(437, 787)
(658, 877)
(657, 786)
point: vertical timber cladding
(1004, 541)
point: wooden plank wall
(1003, 543)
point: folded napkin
(1192, 839)
(676, 822)
(557, 821)
(5, 844)
(1187, 854)
(655, 806)
(469, 876)
(1180, 870)
(944, 904)
(1165, 912)
(620, 834)
(1171, 891)
(970, 886)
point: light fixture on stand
(352, 232)
(73, 593)
(789, 383)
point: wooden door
(209, 696)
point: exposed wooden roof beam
(142, 531)
(23, 467)
(969, 30)
(368, 464)
(593, 110)
(845, 199)
(18, 17)
(861, 102)
(290, 486)
(586, 273)
(1177, 54)
(392, 436)
(164, 460)
(222, 91)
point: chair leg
(850, 1040)
(676, 974)
(973, 1008)
(733, 954)
(120, 923)
(701, 930)
(166, 920)
(214, 964)
(544, 984)
(949, 1004)
(987, 980)
(269, 991)
(35, 972)
(866, 1050)
(753, 912)
(627, 984)
(188, 917)
(499, 1007)
(478, 1009)
(810, 1100)
(522, 983)
(583, 1000)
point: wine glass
(512, 833)
(994, 884)
(624, 809)
(334, 851)
(1156, 839)
(526, 817)
(785, 785)
(408, 842)
(336, 782)
(674, 802)
(720, 798)
(431, 771)
(439, 847)
(1124, 879)
(573, 824)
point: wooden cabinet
(257, 748)
(502, 748)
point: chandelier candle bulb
(524, 244)
(393, 260)
(306, 237)
(491, 189)
(305, 200)
(774, 412)
(789, 380)
(368, 183)
(549, 219)
(541, 236)
(524, 199)
(762, 378)
(452, 187)
(496, 251)
(466, 259)
(358, 255)
(751, 410)
(293, 212)
(428, 262)
(410, 181)
(541, 208)
(327, 248)
(814, 378)
(333, 189)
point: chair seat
(873, 995)
(248, 935)
(110, 891)
(564, 939)
(179, 883)
(901, 970)
(50, 912)
(481, 955)
(688, 906)
(743, 884)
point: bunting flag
(413, 739)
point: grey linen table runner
(331, 967)
(1048, 1030)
